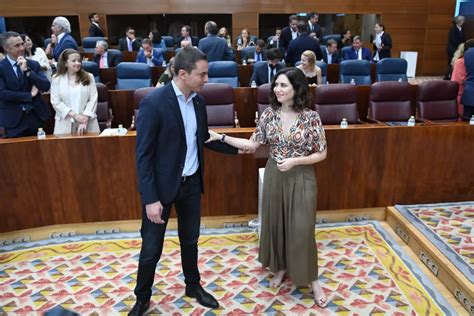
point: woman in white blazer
(74, 96)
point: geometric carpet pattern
(362, 271)
(450, 227)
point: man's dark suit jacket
(335, 56)
(249, 53)
(468, 94)
(299, 45)
(66, 42)
(13, 94)
(316, 29)
(161, 144)
(113, 59)
(215, 48)
(285, 37)
(123, 46)
(352, 54)
(387, 46)
(260, 73)
(95, 31)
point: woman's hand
(286, 164)
(213, 136)
(81, 129)
(83, 119)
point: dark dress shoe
(139, 308)
(204, 298)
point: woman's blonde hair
(459, 53)
(311, 57)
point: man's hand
(154, 212)
(21, 61)
(34, 91)
(147, 53)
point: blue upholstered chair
(336, 37)
(224, 72)
(88, 43)
(392, 69)
(324, 70)
(359, 70)
(93, 68)
(46, 42)
(131, 76)
(343, 51)
(169, 42)
(219, 104)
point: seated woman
(244, 40)
(74, 96)
(308, 66)
(38, 54)
(167, 75)
(225, 35)
(346, 39)
(156, 40)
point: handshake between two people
(244, 145)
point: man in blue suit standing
(358, 52)
(149, 55)
(213, 46)
(170, 172)
(62, 29)
(468, 94)
(302, 43)
(22, 109)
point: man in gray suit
(213, 46)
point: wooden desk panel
(85, 179)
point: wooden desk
(87, 179)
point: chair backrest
(392, 69)
(2, 132)
(334, 102)
(324, 70)
(263, 97)
(46, 42)
(103, 109)
(245, 53)
(88, 43)
(390, 101)
(138, 96)
(224, 72)
(336, 37)
(93, 68)
(118, 52)
(219, 104)
(359, 70)
(131, 76)
(436, 100)
(343, 51)
(169, 42)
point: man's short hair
(187, 58)
(188, 28)
(128, 29)
(355, 38)
(63, 23)
(292, 17)
(147, 41)
(92, 15)
(273, 53)
(103, 44)
(6, 36)
(211, 28)
(302, 27)
(313, 14)
(260, 43)
(330, 42)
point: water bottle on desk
(353, 81)
(164, 63)
(400, 80)
(344, 123)
(253, 84)
(471, 121)
(41, 134)
(411, 121)
(121, 131)
(244, 62)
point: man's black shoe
(204, 298)
(139, 308)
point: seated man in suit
(301, 44)
(213, 46)
(264, 72)
(330, 54)
(129, 43)
(94, 29)
(149, 55)
(255, 53)
(22, 108)
(105, 58)
(186, 36)
(358, 52)
(62, 29)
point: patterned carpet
(362, 271)
(450, 227)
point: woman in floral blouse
(297, 141)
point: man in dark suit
(468, 95)
(358, 52)
(94, 29)
(314, 29)
(129, 43)
(104, 57)
(290, 32)
(254, 53)
(382, 43)
(149, 55)
(22, 108)
(186, 36)
(170, 172)
(264, 72)
(303, 43)
(213, 46)
(330, 53)
(62, 29)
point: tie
(19, 73)
(102, 62)
(258, 57)
(272, 68)
(130, 48)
